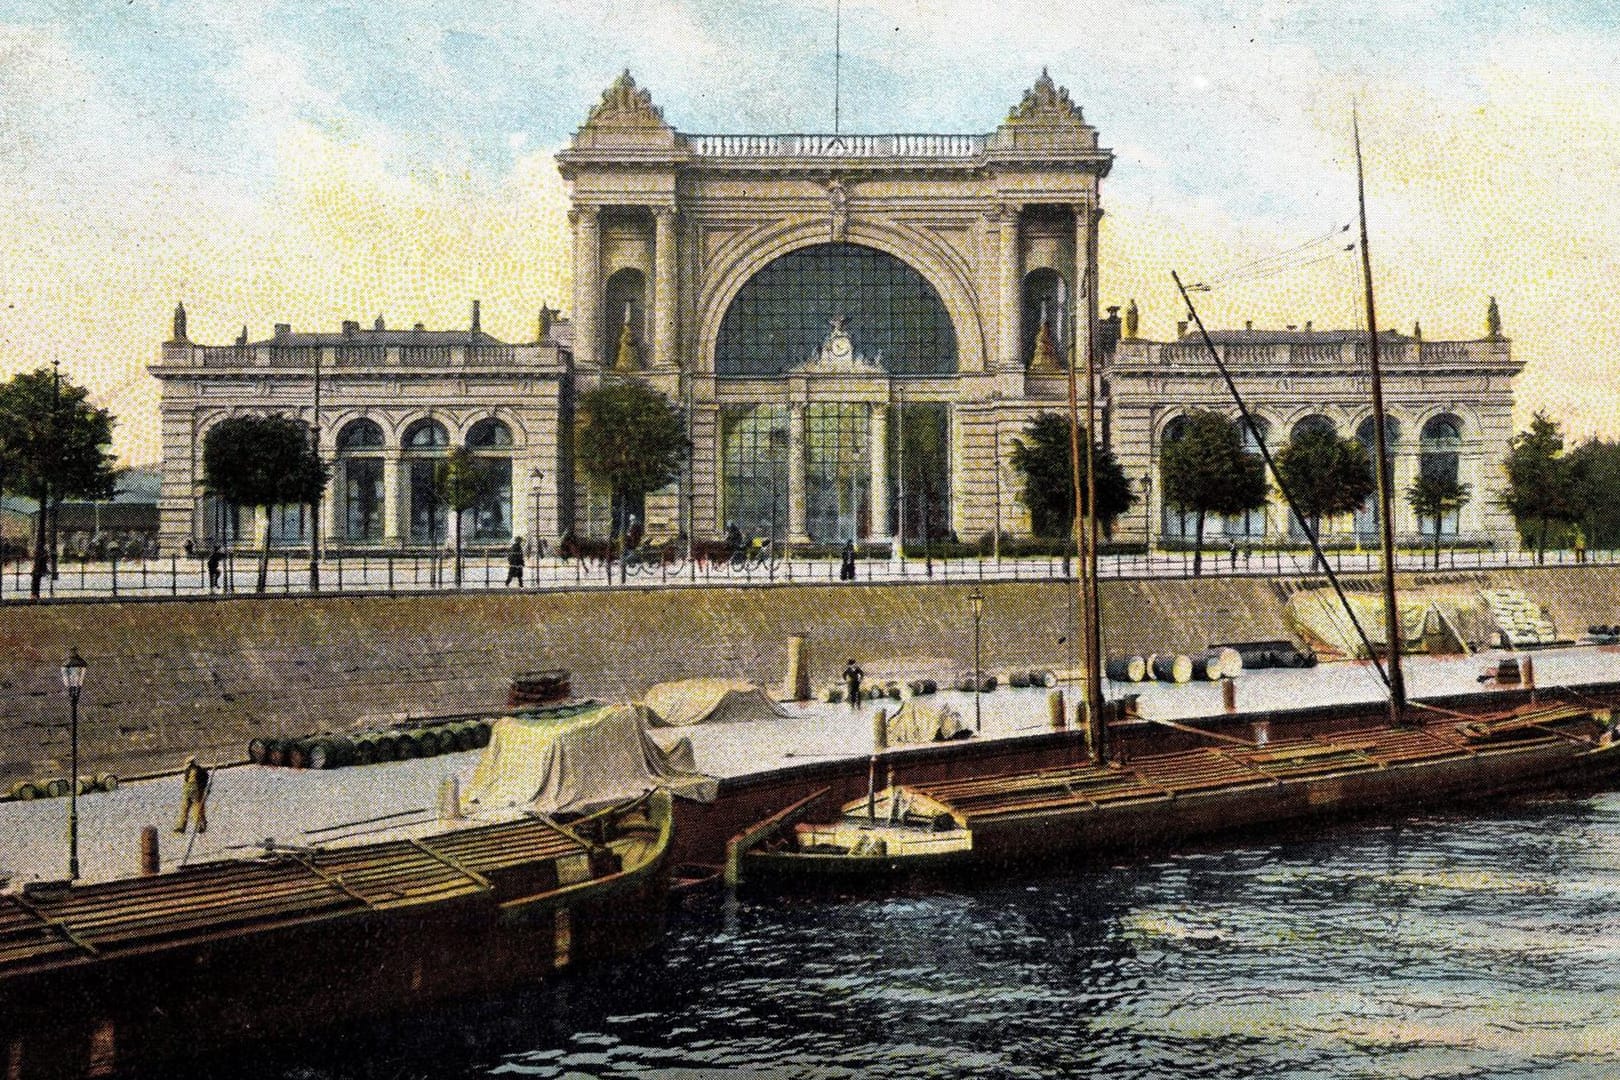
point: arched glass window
(1251, 525)
(754, 451)
(1316, 422)
(490, 442)
(1176, 524)
(426, 442)
(1046, 298)
(359, 477)
(1440, 458)
(626, 298)
(781, 315)
(1367, 530)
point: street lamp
(535, 477)
(73, 669)
(976, 598)
(779, 442)
(1147, 516)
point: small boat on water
(100, 976)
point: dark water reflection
(1437, 947)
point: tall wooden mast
(1386, 527)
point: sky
(314, 162)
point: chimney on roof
(419, 327)
(379, 323)
(1307, 326)
(547, 317)
(1248, 324)
(283, 329)
(350, 328)
(1181, 328)
(1292, 327)
(476, 328)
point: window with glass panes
(780, 316)
(837, 471)
(755, 468)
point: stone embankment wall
(172, 678)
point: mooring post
(1229, 694)
(1056, 710)
(149, 851)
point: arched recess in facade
(872, 463)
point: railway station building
(856, 327)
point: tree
(1207, 471)
(1048, 475)
(1434, 496)
(53, 446)
(262, 461)
(631, 440)
(1595, 477)
(461, 484)
(1540, 488)
(1325, 475)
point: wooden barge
(98, 977)
(1161, 799)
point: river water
(1456, 945)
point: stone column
(880, 472)
(1012, 300)
(331, 499)
(1085, 275)
(587, 284)
(796, 507)
(393, 499)
(665, 289)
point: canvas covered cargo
(574, 763)
(920, 722)
(708, 701)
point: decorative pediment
(1045, 103)
(624, 104)
(837, 356)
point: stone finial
(1493, 320)
(1133, 320)
(624, 103)
(1046, 102)
(1046, 357)
(547, 317)
(477, 326)
(180, 323)
(1417, 330)
(241, 339)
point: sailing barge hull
(88, 1010)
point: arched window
(359, 476)
(1176, 523)
(754, 449)
(1249, 526)
(1440, 458)
(626, 298)
(490, 442)
(780, 316)
(1316, 422)
(1366, 523)
(425, 444)
(1046, 298)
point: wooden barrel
(365, 749)
(25, 791)
(258, 751)
(1172, 669)
(275, 752)
(1126, 669)
(1212, 665)
(330, 752)
(388, 747)
(57, 787)
(1043, 677)
(481, 733)
(1018, 680)
(1231, 662)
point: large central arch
(781, 314)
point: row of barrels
(1210, 665)
(369, 747)
(59, 787)
(886, 691)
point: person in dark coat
(852, 682)
(846, 566)
(214, 559)
(514, 562)
(194, 796)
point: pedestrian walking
(1231, 552)
(214, 559)
(852, 682)
(514, 562)
(193, 796)
(846, 565)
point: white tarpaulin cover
(708, 701)
(579, 762)
(918, 722)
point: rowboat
(1156, 801)
(100, 976)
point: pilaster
(666, 299)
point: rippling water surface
(1471, 945)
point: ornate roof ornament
(624, 104)
(1044, 103)
(838, 356)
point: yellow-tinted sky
(305, 163)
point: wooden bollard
(1057, 710)
(796, 683)
(1082, 722)
(450, 799)
(149, 851)
(1229, 695)
(1529, 670)
(880, 731)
